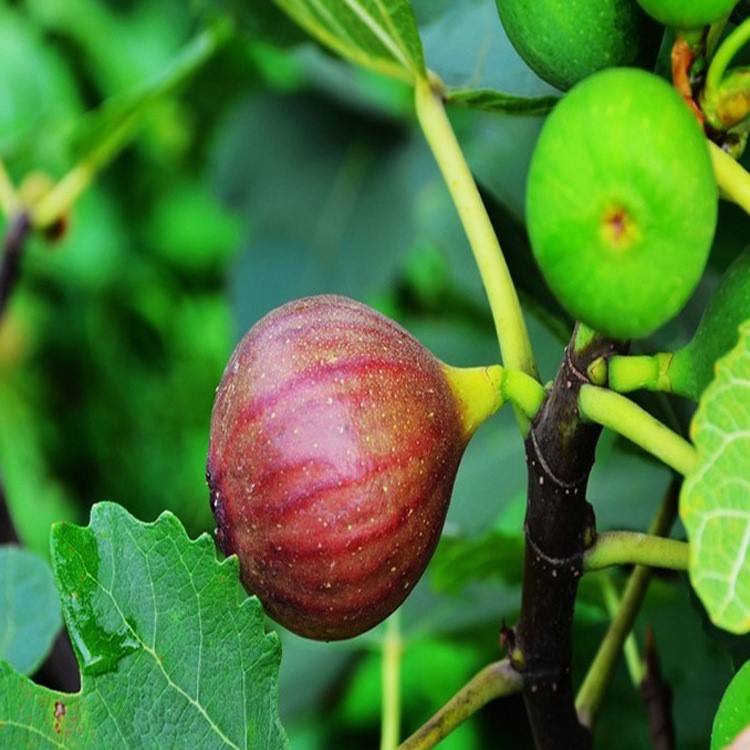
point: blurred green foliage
(274, 172)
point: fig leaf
(30, 606)
(713, 500)
(692, 367)
(378, 34)
(732, 716)
(169, 646)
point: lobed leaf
(378, 34)
(30, 608)
(172, 652)
(715, 498)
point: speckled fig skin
(335, 442)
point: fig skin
(335, 442)
(564, 41)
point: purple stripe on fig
(335, 442)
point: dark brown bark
(560, 525)
(657, 695)
(10, 263)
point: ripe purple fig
(335, 441)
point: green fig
(621, 202)
(564, 41)
(687, 14)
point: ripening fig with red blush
(335, 441)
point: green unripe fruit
(564, 41)
(335, 441)
(692, 367)
(621, 202)
(687, 14)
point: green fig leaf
(378, 34)
(499, 102)
(462, 560)
(172, 651)
(30, 607)
(734, 710)
(714, 497)
(94, 136)
(692, 367)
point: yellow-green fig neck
(477, 391)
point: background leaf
(713, 501)
(734, 710)
(378, 34)
(172, 652)
(30, 608)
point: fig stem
(515, 345)
(726, 51)
(523, 391)
(58, 201)
(732, 178)
(392, 646)
(494, 681)
(619, 413)
(635, 548)
(613, 601)
(591, 693)
(631, 373)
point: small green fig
(335, 441)
(564, 41)
(692, 367)
(621, 202)
(687, 14)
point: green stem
(390, 721)
(633, 548)
(732, 178)
(613, 602)
(725, 53)
(511, 329)
(523, 391)
(630, 373)
(599, 676)
(494, 681)
(619, 413)
(64, 194)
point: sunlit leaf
(734, 711)
(171, 650)
(30, 606)
(378, 34)
(715, 498)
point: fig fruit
(694, 14)
(335, 441)
(564, 41)
(621, 202)
(692, 367)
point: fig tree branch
(10, 263)
(560, 526)
(494, 681)
(619, 413)
(506, 309)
